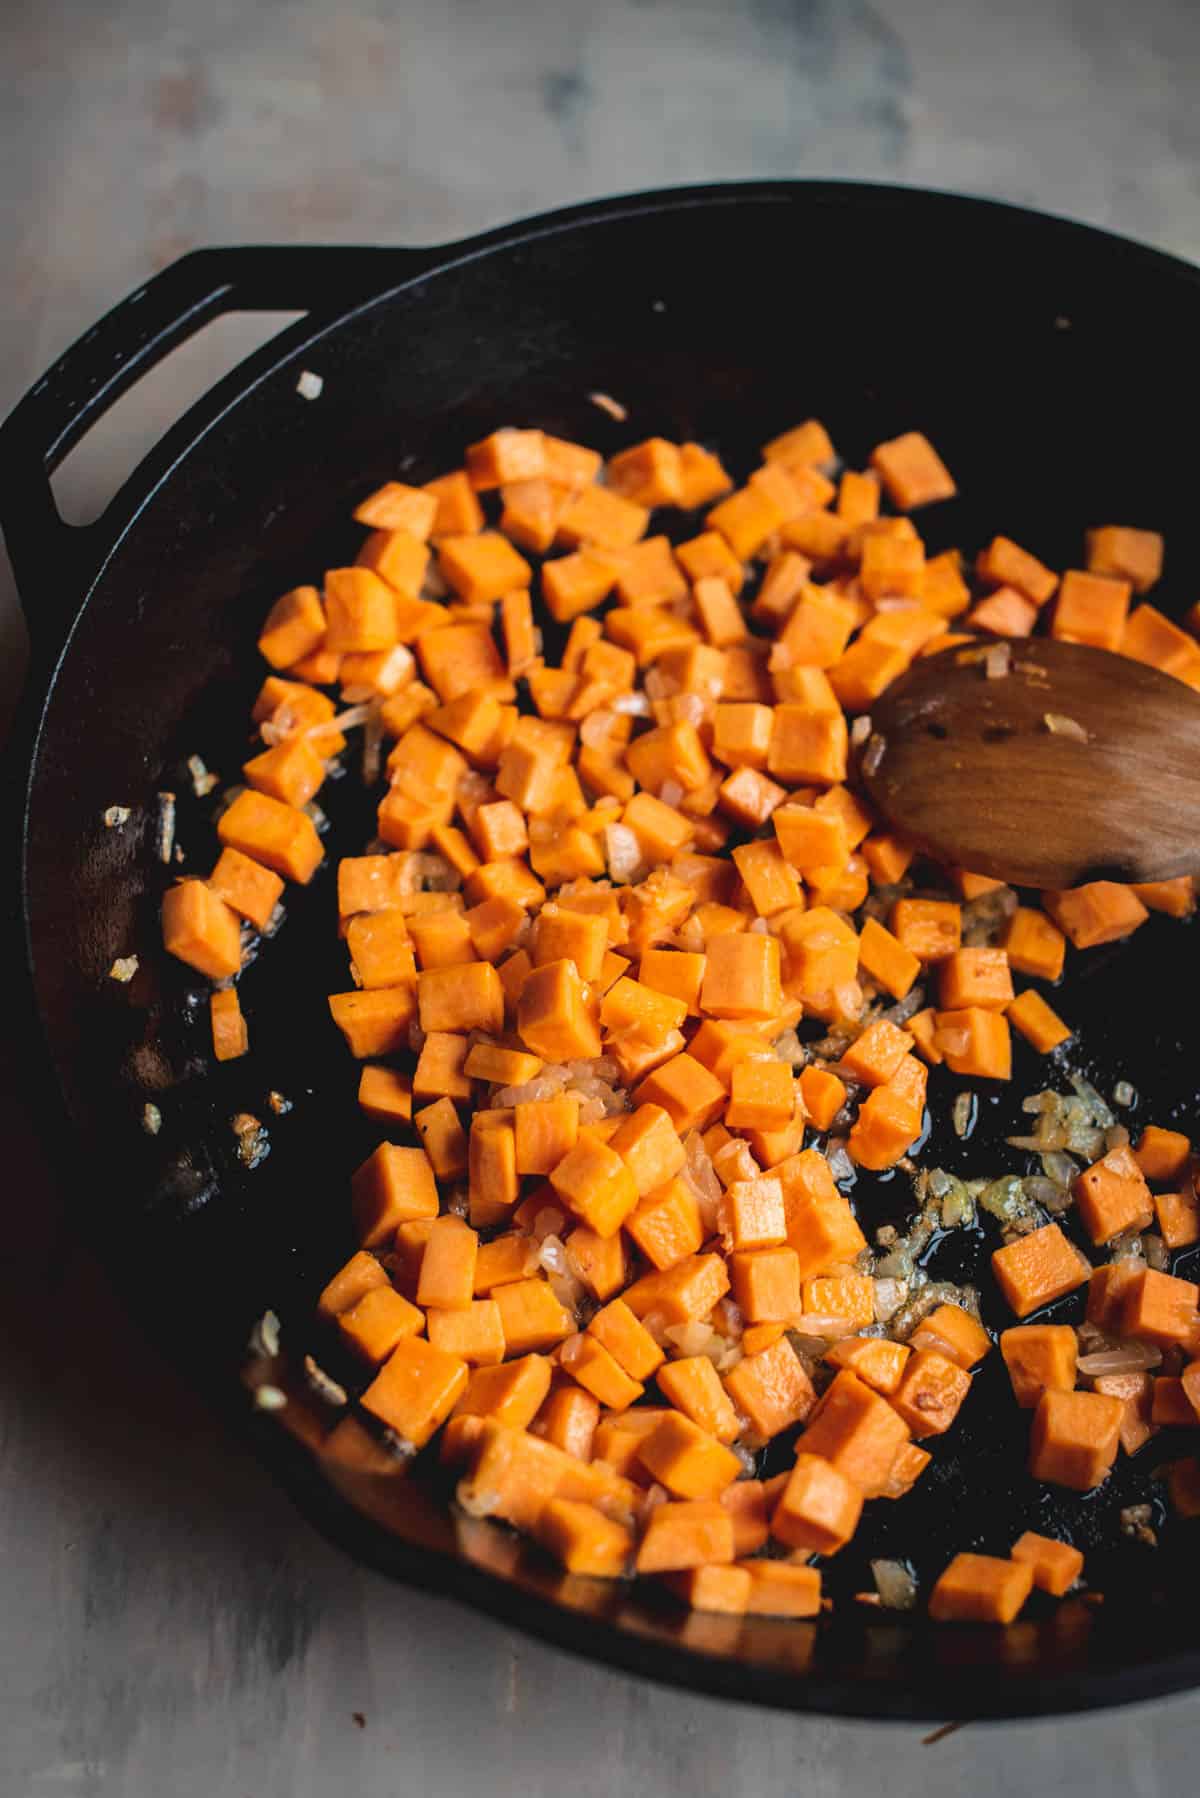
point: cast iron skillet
(1055, 369)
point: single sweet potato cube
(461, 998)
(1178, 1218)
(1112, 1196)
(762, 1097)
(546, 1131)
(598, 1261)
(823, 1095)
(416, 1389)
(781, 1589)
(381, 950)
(874, 1057)
(980, 1589)
(1127, 554)
(676, 972)
(766, 1284)
(569, 1419)
(693, 1386)
(688, 1461)
(681, 1293)
(448, 1265)
(439, 1072)
(975, 1042)
(887, 1125)
(886, 960)
(1177, 897)
(626, 1339)
(378, 1321)
(493, 1184)
(1056, 1565)
(751, 1214)
(747, 1504)
(599, 1372)
(604, 517)
(975, 977)
(230, 1037)
(821, 1226)
(931, 1390)
(1075, 1438)
(857, 1431)
(723, 1590)
(684, 1535)
(584, 1539)
(268, 831)
(374, 1023)
(294, 628)
(512, 1394)
(361, 1274)
(531, 1315)
(1103, 911)
(482, 567)
(1159, 1308)
(1091, 608)
(665, 1224)
(596, 1186)
(849, 1297)
(553, 1016)
(907, 1468)
(878, 1363)
(201, 930)
(912, 472)
(391, 1187)
(808, 747)
(1037, 1022)
(1170, 1406)
(819, 1509)
(249, 889)
(1161, 1154)
(1004, 564)
(360, 605)
(768, 878)
(702, 478)
(1038, 1268)
(742, 977)
(953, 1332)
(931, 929)
(685, 1090)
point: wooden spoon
(1073, 765)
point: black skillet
(1055, 369)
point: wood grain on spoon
(1075, 765)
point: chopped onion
(623, 852)
(670, 792)
(1127, 1357)
(894, 1580)
(1060, 726)
(997, 660)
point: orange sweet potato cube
(954, 1333)
(1035, 1269)
(874, 1056)
(681, 1293)
(416, 1389)
(375, 1022)
(1158, 1308)
(1127, 554)
(912, 472)
(595, 1184)
(483, 566)
(1074, 1439)
(360, 609)
(604, 517)
(1112, 1196)
(857, 1431)
(1056, 1565)
(1091, 608)
(584, 1539)
(512, 1394)
(531, 1315)
(742, 976)
(201, 930)
(1004, 564)
(1037, 1022)
(546, 1130)
(1178, 1218)
(807, 746)
(878, 1363)
(975, 1042)
(687, 1460)
(819, 1509)
(683, 1535)
(360, 1275)
(447, 1277)
(971, 977)
(980, 1589)
(752, 1214)
(474, 1332)
(587, 1360)
(462, 998)
(823, 1095)
(693, 1386)
(665, 1224)
(766, 1283)
(887, 1125)
(626, 1339)
(393, 1186)
(931, 929)
(930, 1393)
(647, 1142)
(1162, 1155)
(686, 1090)
(553, 1016)
(782, 1589)
(886, 960)
(821, 1226)
(1103, 911)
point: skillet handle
(48, 555)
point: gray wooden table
(168, 1628)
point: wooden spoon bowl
(1040, 763)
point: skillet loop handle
(51, 558)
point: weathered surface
(168, 1625)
